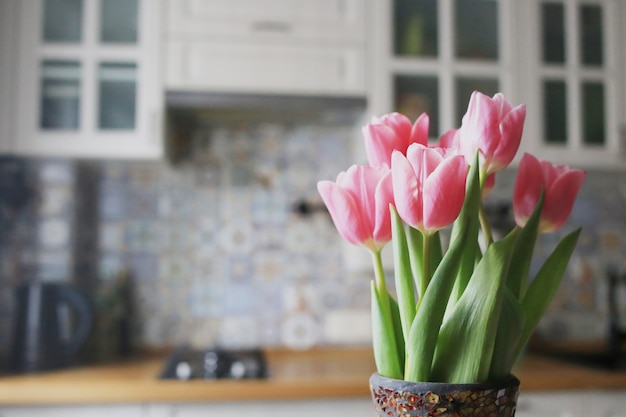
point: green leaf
(402, 273)
(524, 247)
(508, 336)
(467, 338)
(415, 241)
(545, 285)
(397, 329)
(383, 338)
(471, 252)
(420, 346)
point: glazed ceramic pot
(397, 398)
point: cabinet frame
(144, 141)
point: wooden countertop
(320, 373)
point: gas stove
(186, 363)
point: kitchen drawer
(319, 20)
(310, 408)
(549, 404)
(126, 410)
(264, 68)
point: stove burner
(186, 363)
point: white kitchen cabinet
(572, 78)
(266, 46)
(563, 58)
(7, 55)
(86, 79)
(430, 55)
(126, 410)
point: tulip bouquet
(462, 313)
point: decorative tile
(238, 269)
(270, 266)
(300, 331)
(269, 208)
(54, 233)
(142, 236)
(238, 332)
(56, 172)
(55, 200)
(206, 299)
(54, 266)
(111, 237)
(113, 201)
(237, 237)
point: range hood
(191, 114)
(224, 108)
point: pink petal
(503, 104)
(419, 132)
(527, 190)
(511, 129)
(450, 139)
(384, 198)
(444, 193)
(406, 192)
(344, 211)
(560, 198)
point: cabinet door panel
(297, 19)
(264, 68)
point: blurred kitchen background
(164, 159)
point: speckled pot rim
(441, 387)
(398, 398)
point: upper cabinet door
(438, 52)
(266, 46)
(88, 79)
(572, 82)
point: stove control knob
(183, 370)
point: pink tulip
(561, 185)
(358, 203)
(428, 187)
(494, 128)
(450, 139)
(391, 132)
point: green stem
(426, 260)
(482, 216)
(486, 227)
(379, 272)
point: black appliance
(51, 322)
(186, 363)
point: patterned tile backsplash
(217, 252)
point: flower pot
(398, 398)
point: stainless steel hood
(219, 108)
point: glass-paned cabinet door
(443, 50)
(88, 83)
(573, 85)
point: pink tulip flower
(358, 203)
(391, 132)
(428, 187)
(561, 185)
(494, 128)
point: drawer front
(319, 20)
(260, 68)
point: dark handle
(270, 26)
(83, 310)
